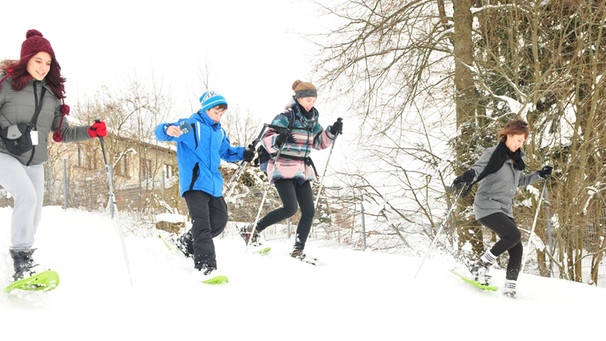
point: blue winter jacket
(199, 153)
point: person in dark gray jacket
(31, 107)
(500, 171)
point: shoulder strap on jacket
(38, 105)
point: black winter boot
(23, 263)
(245, 233)
(185, 244)
(297, 253)
(205, 267)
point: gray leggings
(26, 186)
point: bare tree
(406, 67)
(130, 115)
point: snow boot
(23, 263)
(245, 234)
(205, 268)
(185, 244)
(479, 271)
(509, 289)
(481, 267)
(297, 253)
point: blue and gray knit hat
(210, 99)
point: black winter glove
(281, 139)
(249, 154)
(545, 171)
(464, 179)
(337, 127)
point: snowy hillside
(354, 295)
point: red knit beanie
(34, 43)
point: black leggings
(510, 241)
(292, 193)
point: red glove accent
(98, 129)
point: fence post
(65, 190)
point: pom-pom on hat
(34, 43)
(304, 89)
(210, 99)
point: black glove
(545, 171)
(464, 179)
(249, 154)
(337, 127)
(281, 139)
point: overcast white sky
(252, 49)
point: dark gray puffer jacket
(18, 107)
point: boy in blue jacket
(201, 144)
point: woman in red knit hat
(31, 107)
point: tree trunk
(466, 101)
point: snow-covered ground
(353, 295)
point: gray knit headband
(306, 93)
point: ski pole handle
(340, 120)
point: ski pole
(327, 161)
(231, 184)
(549, 227)
(534, 224)
(233, 180)
(113, 207)
(454, 204)
(267, 185)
